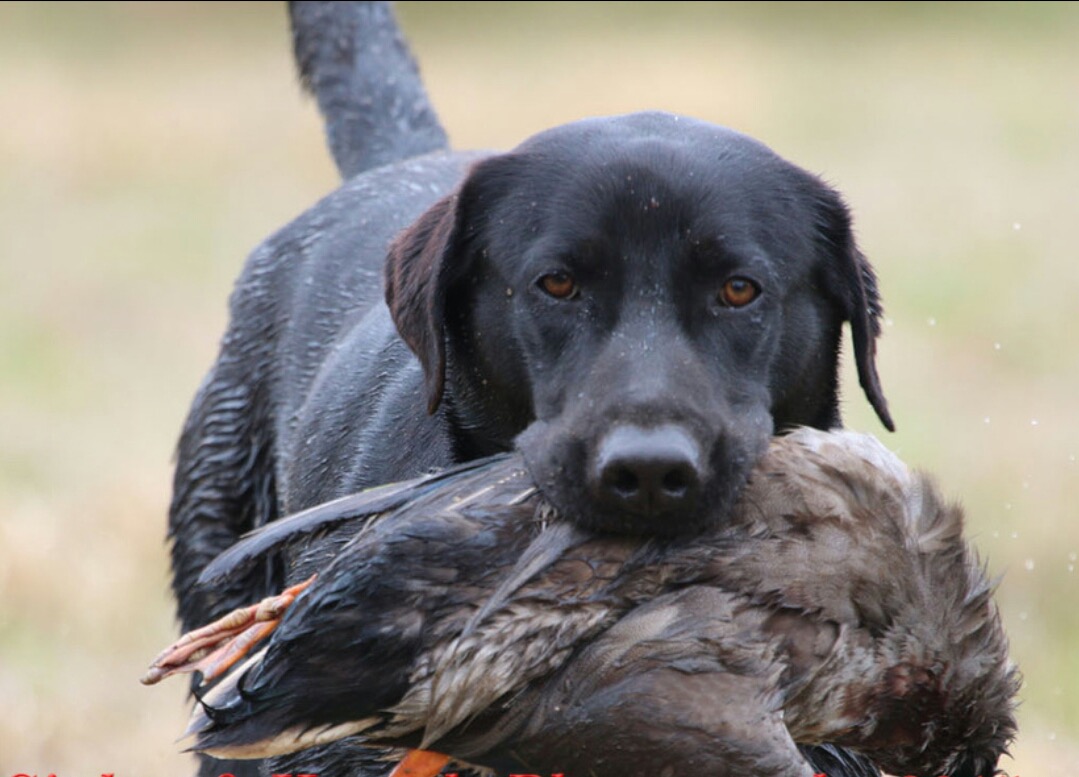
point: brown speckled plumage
(840, 604)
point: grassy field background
(145, 149)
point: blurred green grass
(146, 148)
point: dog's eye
(560, 285)
(738, 292)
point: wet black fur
(316, 394)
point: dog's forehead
(601, 134)
(656, 165)
(684, 150)
(644, 180)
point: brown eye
(560, 285)
(738, 292)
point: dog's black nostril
(677, 482)
(622, 481)
(647, 471)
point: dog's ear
(415, 289)
(855, 284)
(427, 258)
(864, 315)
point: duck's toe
(216, 647)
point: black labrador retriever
(638, 303)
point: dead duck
(840, 604)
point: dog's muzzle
(648, 472)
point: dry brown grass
(145, 149)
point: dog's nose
(647, 471)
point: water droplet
(1071, 567)
(1015, 534)
(996, 535)
(1028, 565)
(1052, 735)
(1017, 226)
(889, 322)
(1022, 616)
(1071, 457)
(986, 419)
(996, 346)
(1008, 506)
(1033, 421)
(932, 321)
(1073, 556)
(1026, 485)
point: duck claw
(216, 647)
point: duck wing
(348, 647)
(351, 509)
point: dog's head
(652, 297)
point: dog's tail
(353, 59)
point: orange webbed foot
(420, 763)
(216, 647)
